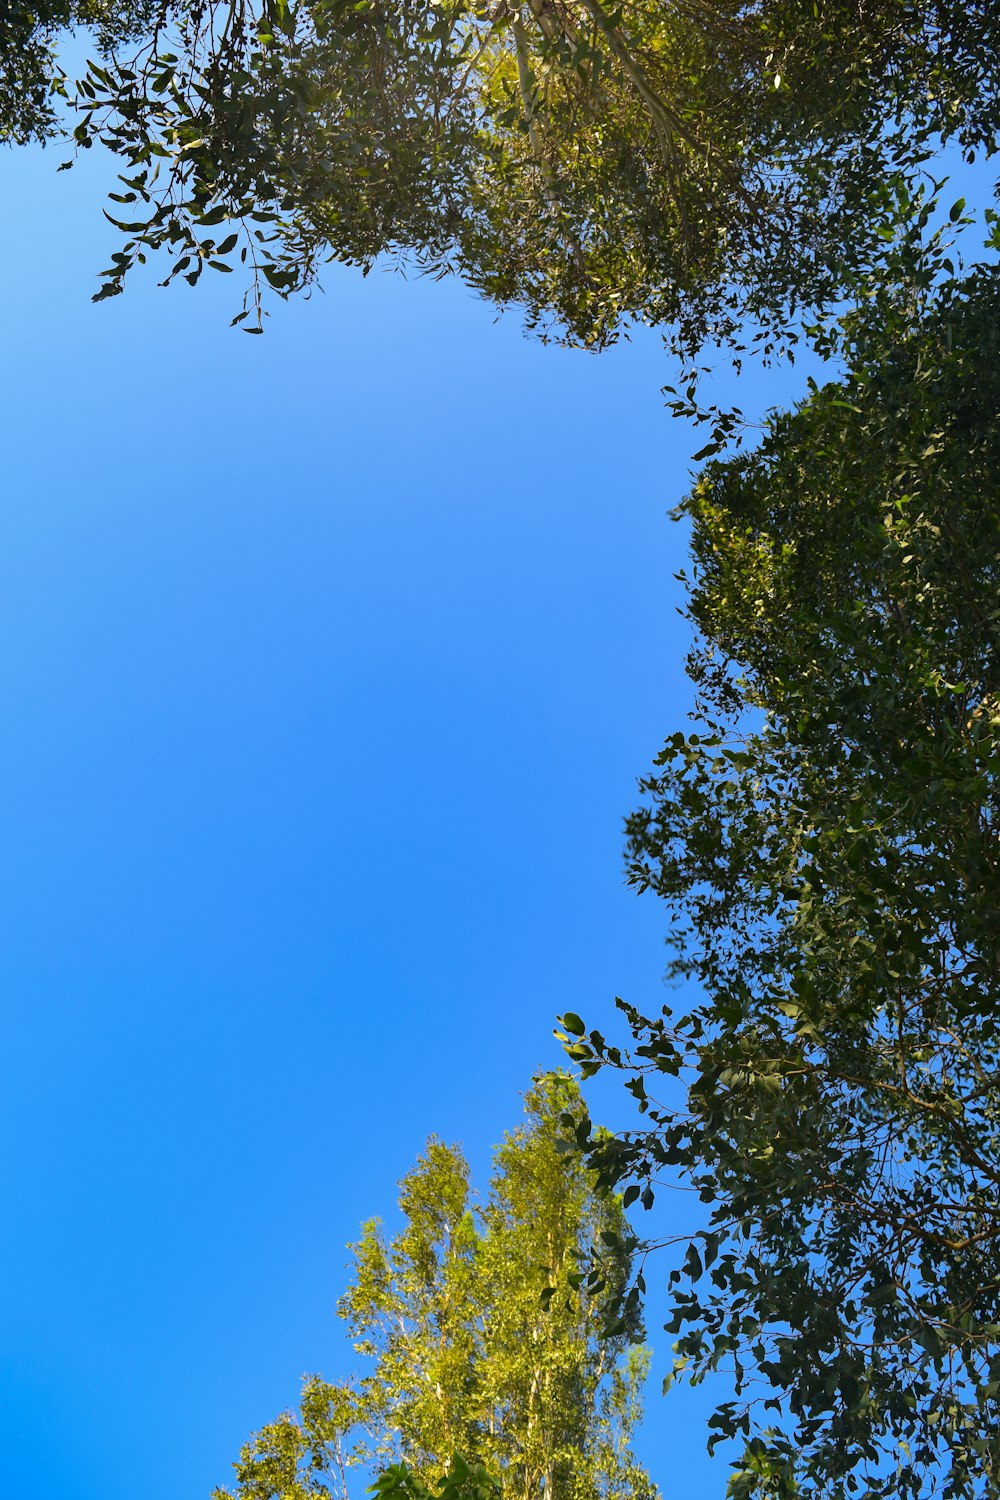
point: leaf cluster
(484, 1331)
(828, 841)
(31, 80)
(693, 165)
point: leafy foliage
(463, 1481)
(689, 164)
(30, 77)
(483, 1327)
(828, 840)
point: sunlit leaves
(485, 1330)
(594, 165)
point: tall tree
(482, 1335)
(828, 840)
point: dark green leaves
(594, 165)
(827, 842)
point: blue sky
(328, 662)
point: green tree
(687, 164)
(828, 841)
(483, 1335)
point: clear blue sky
(328, 661)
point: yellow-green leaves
(483, 1325)
(686, 166)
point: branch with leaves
(827, 840)
(696, 165)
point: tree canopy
(691, 164)
(482, 1339)
(828, 840)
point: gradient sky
(328, 662)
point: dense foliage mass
(688, 164)
(483, 1341)
(829, 841)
